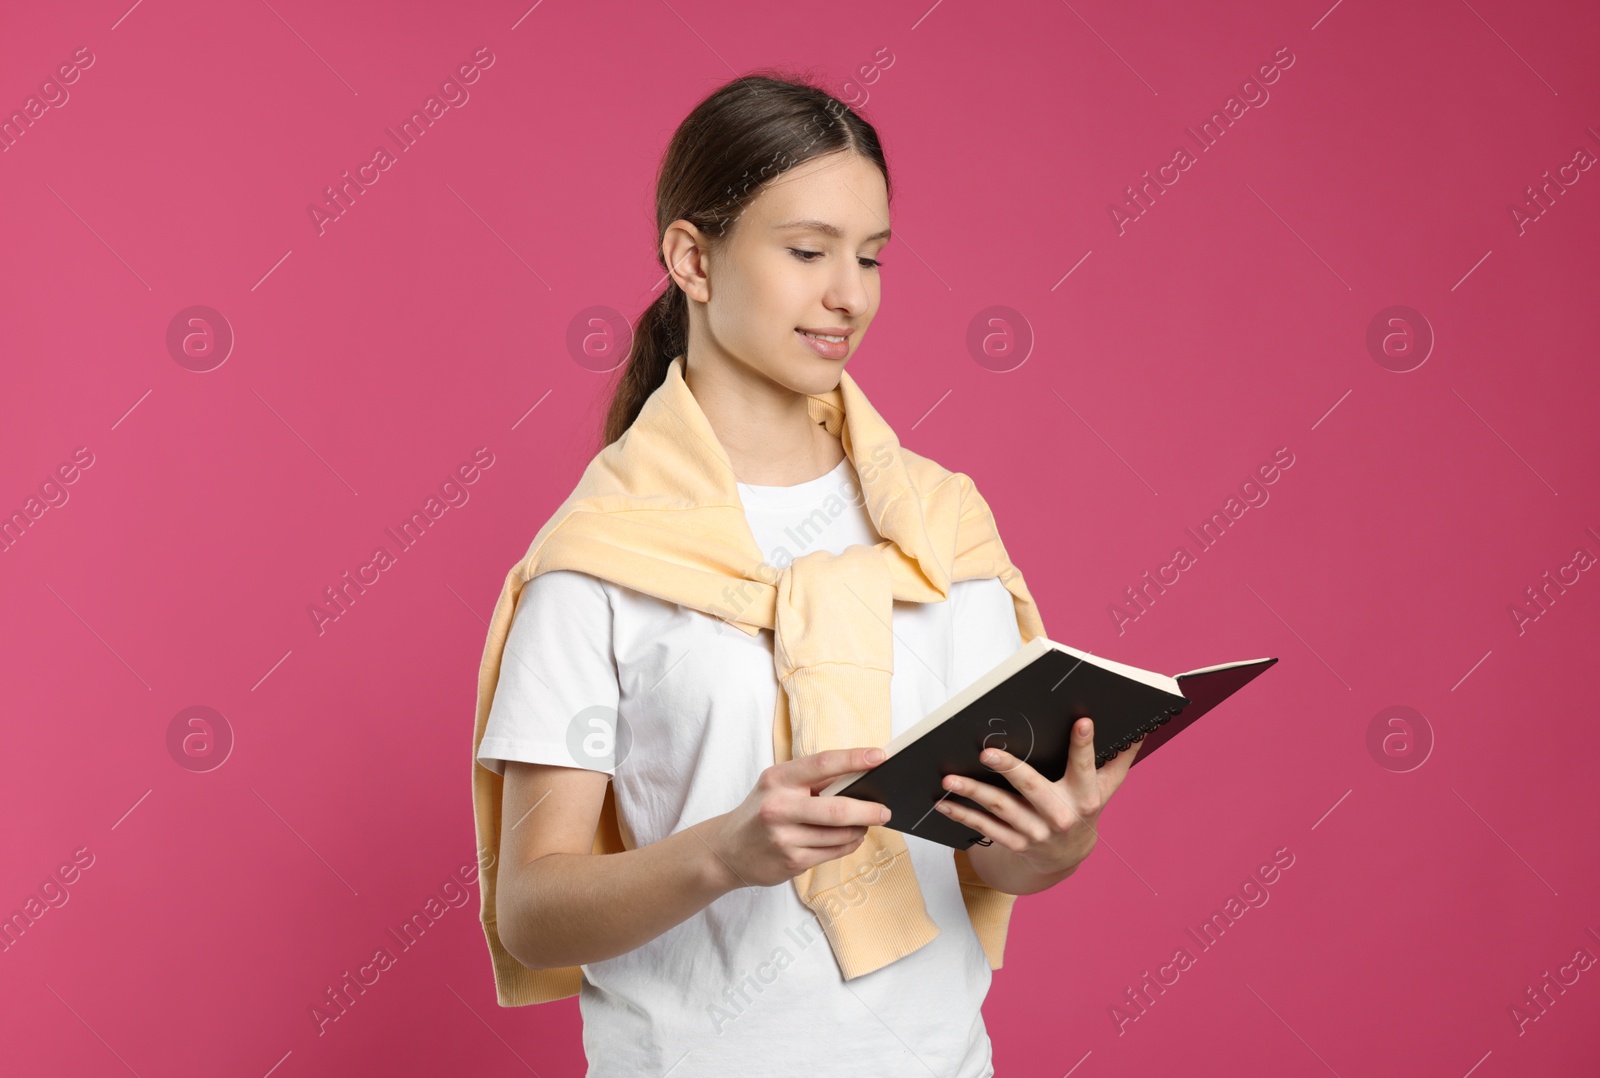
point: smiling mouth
(830, 346)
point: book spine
(1144, 728)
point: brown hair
(734, 142)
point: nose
(847, 291)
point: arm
(1004, 871)
(558, 904)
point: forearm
(1005, 871)
(566, 909)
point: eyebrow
(826, 229)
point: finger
(838, 811)
(819, 837)
(820, 768)
(1080, 756)
(1044, 798)
(1009, 808)
(983, 823)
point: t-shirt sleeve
(556, 700)
(986, 629)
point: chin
(817, 376)
(804, 373)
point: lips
(826, 349)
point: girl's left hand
(1052, 827)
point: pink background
(1436, 876)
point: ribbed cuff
(888, 925)
(515, 985)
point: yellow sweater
(658, 511)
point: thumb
(1081, 752)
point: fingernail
(883, 817)
(875, 756)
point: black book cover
(1038, 694)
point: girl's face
(802, 256)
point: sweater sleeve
(985, 632)
(548, 678)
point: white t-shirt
(748, 985)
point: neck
(765, 428)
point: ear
(684, 248)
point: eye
(801, 253)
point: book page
(1133, 673)
(1220, 666)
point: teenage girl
(698, 956)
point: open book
(1026, 705)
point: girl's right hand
(782, 828)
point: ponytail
(661, 335)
